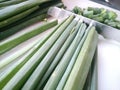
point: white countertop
(108, 65)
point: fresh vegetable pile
(99, 14)
(61, 60)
